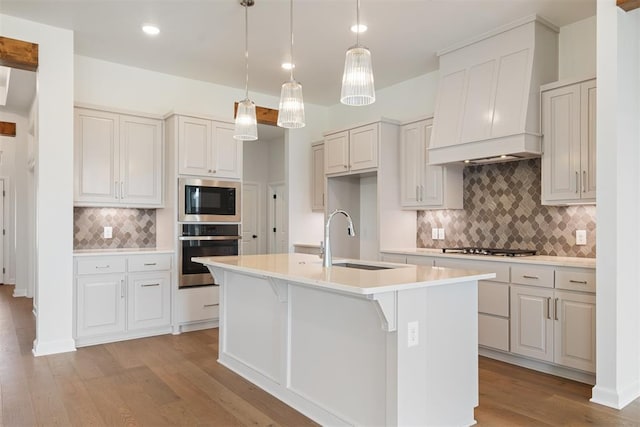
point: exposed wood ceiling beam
(18, 54)
(264, 116)
(628, 4)
(7, 129)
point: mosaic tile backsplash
(502, 209)
(132, 228)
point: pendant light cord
(246, 48)
(357, 22)
(291, 26)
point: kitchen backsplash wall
(132, 228)
(502, 209)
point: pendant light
(246, 123)
(291, 110)
(357, 80)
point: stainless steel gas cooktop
(490, 251)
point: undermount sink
(360, 266)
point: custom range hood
(488, 102)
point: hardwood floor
(175, 380)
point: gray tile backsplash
(502, 209)
(132, 228)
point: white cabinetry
(118, 159)
(120, 297)
(354, 150)
(569, 132)
(317, 177)
(424, 186)
(198, 304)
(207, 148)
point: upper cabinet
(487, 104)
(424, 186)
(118, 159)
(569, 132)
(351, 151)
(207, 148)
(317, 179)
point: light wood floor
(175, 380)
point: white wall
(577, 50)
(54, 180)
(618, 209)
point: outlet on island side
(581, 237)
(412, 334)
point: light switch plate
(107, 232)
(581, 237)
(434, 233)
(440, 233)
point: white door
(575, 330)
(531, 322)
(101, 303)
(227, 152)
(336, 153)
(363, 147)
(194, 146)
(277, 221)
(251, 213)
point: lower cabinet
(198, 304)
(121, 297)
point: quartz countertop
(534, 259)
(308, 270)
(120, 251)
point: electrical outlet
(412, 334)
(107, 232)
(440, 233)
(434, 233)
(581, 237)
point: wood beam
(264, 116)
(7, 129)
(628, 5)
(18, 54)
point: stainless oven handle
(210, 238)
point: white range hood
(488, 103)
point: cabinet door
(96, 157)
(561, 172)
(588, 139)
(194, 145)
(336, 153)
(432, 180)
(363, 147)
(100, 303)
(411, 163)
(148, 300)
(575, 330)
(531, 322)
(317, 168)
(141, 151)
(451, 91)
(226, 156)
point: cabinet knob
(214, 171)
(345, 166)
(255, 236)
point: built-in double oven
(209, 217)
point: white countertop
(308, 270)
(534, 259)
(120, 251)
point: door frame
(271, 241)
(262, 220)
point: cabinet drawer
(493, 332)
(197, 304)
(420, 260)
(535, 275)
(154, 262)
(100, 265)
(493, 298)
(575, 279)
(500, 269)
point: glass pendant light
(291, 110)
(357, 80)
(246, 123)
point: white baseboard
(616, 399)
(19, 293)
(53, 347)
(198, 326)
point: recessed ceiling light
(288, 65)
(152, 30)
(358, 29)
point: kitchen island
(352, 346)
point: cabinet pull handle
(209, 305)
(530, 277)
(121, 288)
(580, 282)
(103, 266)
(584, 181)
(417, 195)
(555, 308)
(421, 192)
(121, 190)
(577, 181)
(149, 263)
(214, 171)
(549, 308)
(117, 189)
(322, 199)
(150, 284)
(345, 166)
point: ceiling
(204, 39)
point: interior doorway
(252, 235)
(277, 218)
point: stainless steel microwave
(208, 200)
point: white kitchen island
(347, 346)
